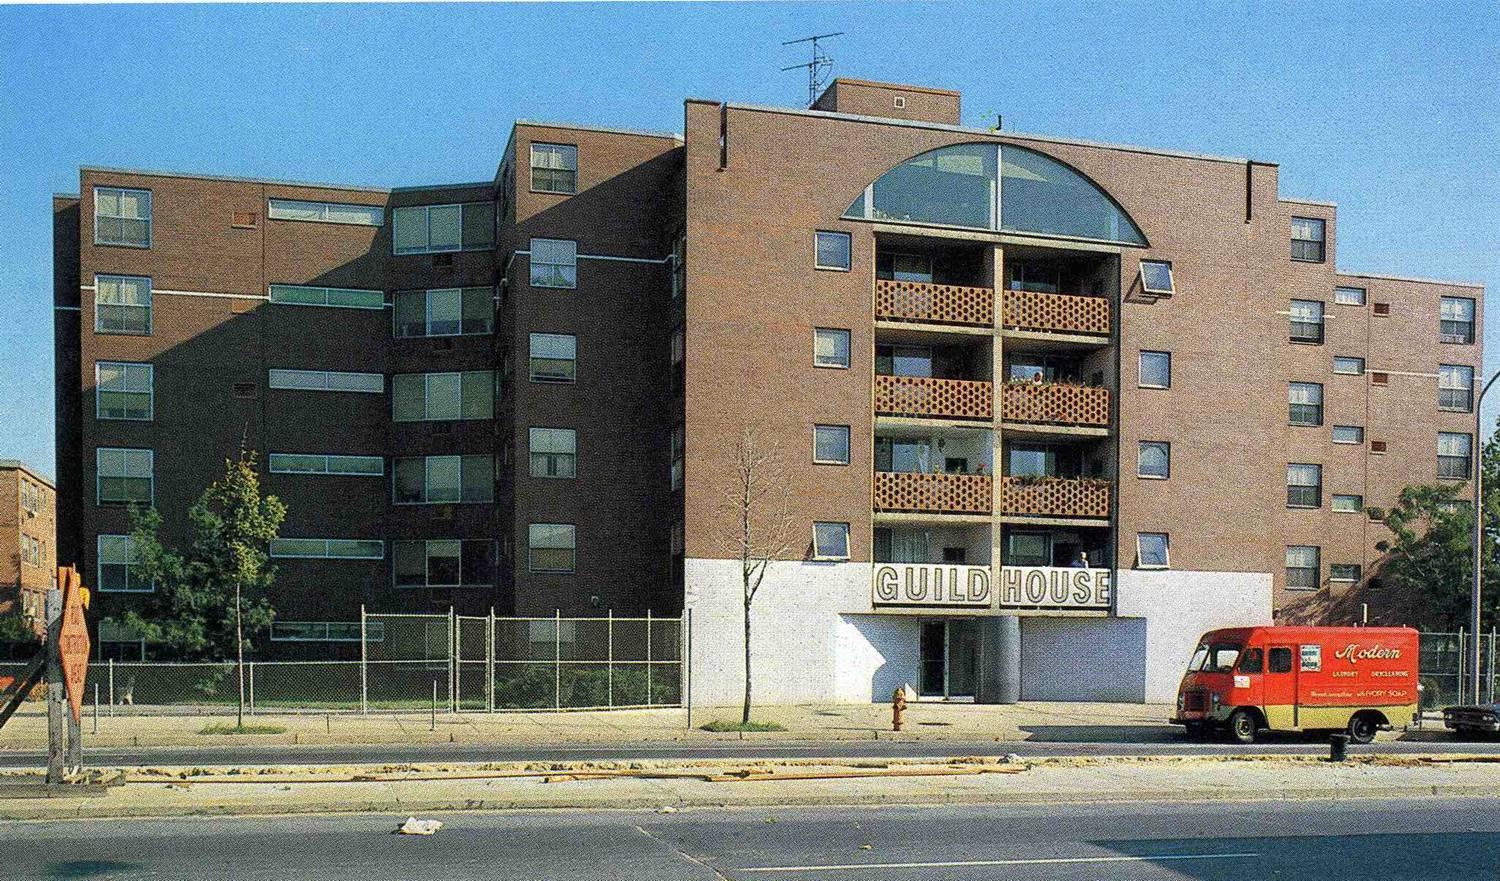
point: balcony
(1056, 313)
(1045, 403)
(1056, 498)
(927, 303)
(917, 493)
(925, 397)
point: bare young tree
(758, 530)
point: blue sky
(1393, 111)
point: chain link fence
(417, 663)
(1444, 669)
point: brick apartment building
(28, 529)
(1048, 408)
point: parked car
(1472, 720)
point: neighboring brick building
(28, 539)
(1117, 394)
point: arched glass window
(969, 185)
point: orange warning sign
(73, 643)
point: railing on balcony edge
(928, 303)
(937, 398)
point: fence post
(452, 661)
(609, 627)
(251, 665)
(1461, 654)
(364, 664)
(111, 686)
(648, 656)
(557, 659)
(489, 663)
(685, 672)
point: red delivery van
(1249, 679)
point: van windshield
(1218, 657)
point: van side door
(1279, 688)
(1249, 677)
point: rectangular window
(1453, 452)
(326, 212)
(444, 312)
(435, 229)
(1348, 504)
(329, 464)
(1348, 434)
(124, 475)
(1343, 572)
(1156, 278)
(551, 547)
(326, 381)
(1348, 366)
(122, 304)
(554, 168)
(831, 444)
(830, 541)
(1307, 321)
(1305, 403)
(830, 347)
(1456, 320)
(832, 250)
(1304, 485)
(1155, 370)
(343, 298)
(554, 357)
(117, 564)
(1307, 239)
(679, 264)
(122, 217)
(437, 397)
(554, 452)
(554, 263)
(326, 631)
(678, 442)
(431, 480)
(1302, 567)
(903, 267)
(1152, 551)
(328, 549)
(448, 562)
(123, 391)
(1154, 459)
(1456, 388)
(1349, 296)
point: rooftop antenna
(818, 68)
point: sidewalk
(682, 785)
(1078, 722)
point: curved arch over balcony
(997, 187)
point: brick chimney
(890, 100)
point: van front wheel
(1242, 726)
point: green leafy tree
(211, 596)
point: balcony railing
(1056, 313)
(928, 303)
(915, 493)
(934, 398)
(1054, 404)
(1072, 498)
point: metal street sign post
(67, 668)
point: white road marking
(1047, 861)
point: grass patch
(752, 725)
(226, 728)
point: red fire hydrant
(898, 707)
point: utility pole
(1476, 589)
(239, 648)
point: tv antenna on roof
(818, 68)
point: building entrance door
(950, 659)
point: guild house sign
(931, 586)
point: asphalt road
(1170, 744)
(1299, 841)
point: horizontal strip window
(122, 304)
(448, 562)
(331, 464)
(327, 381)
(122, 217)
(432, 229)
(326, 212)
(326, 631)
(328, 548)
(343, 298)
(124, 475)
(118, 571)
(123, 391)
(445, 312)
(434, 480)
(433, 397)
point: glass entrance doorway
(950, 659)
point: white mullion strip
(1401, 373)
(212, 294)
(68, 308)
